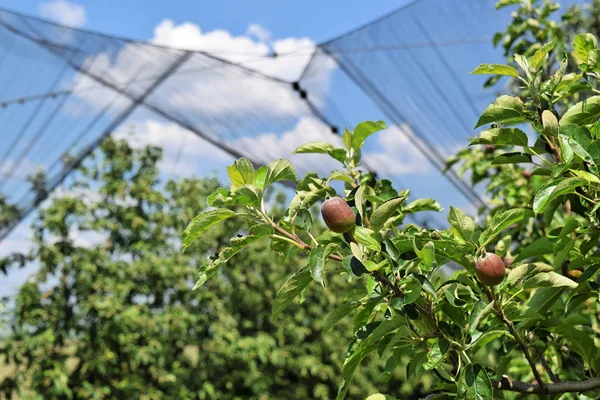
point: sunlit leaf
(290, 290)
(495, 69)
(505, 109)
(201, 223)
(365, 129)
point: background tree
(110, 313)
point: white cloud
(391, 152)
(397, 155)
(65, 13)
(240, 49)
(219, 98)
(259, 32)
(206, 85)
(173, 139)
(270, 146)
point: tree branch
(520, 341)
(559, 387)
(549, 371)
(400, 293)
(296, 239)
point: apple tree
(521, 314)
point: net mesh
(65, 89)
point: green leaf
(502, 221)
(343, 389)
(259, 177)
(501, 137)
(588, 176)
(387, 209)
(541, 55)
(579, 140)
(582, 45)
(461, 223)
(246, 195)
(584, 112)
(360, 202)
(347, 138)
(422, 205)
(543, 299)
(209, 269)
(365, 129)
(552, 190)
(355, 358)
(503, 3)
(241, 172)
(435, 356)
(523, 271)
(412, 289)
(290, 290)
(201, 223)
(338, 314)
(549, 279)
(475, 383)
(315, 147)
(523, 63)
(481, 341)
(316, 261)
(372, 266)
(480, 311)
(322, 148)
(579, 340)
(512, 158)
(565, 149)
(338, 154)
(367, 238)
(495, 69)
(218, 198)
(369, 344)
(427, 253)
(340, 176)
(538, 247)
(280, 170)
(506, 108)
(550, 123)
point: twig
(520, 341)
(400, 293)
(559, 387)
(380, 277)
(551, 373)
(295, 238)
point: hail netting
(64, 89)
(411, 67)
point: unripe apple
(489, 148)
(338, 215)
(575, 273)
(490, 269)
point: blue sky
(281, 121)
(189, 24)
(319, 20)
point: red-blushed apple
(490, 269)
(338, 215)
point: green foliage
(111, 315)
(481, 342)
